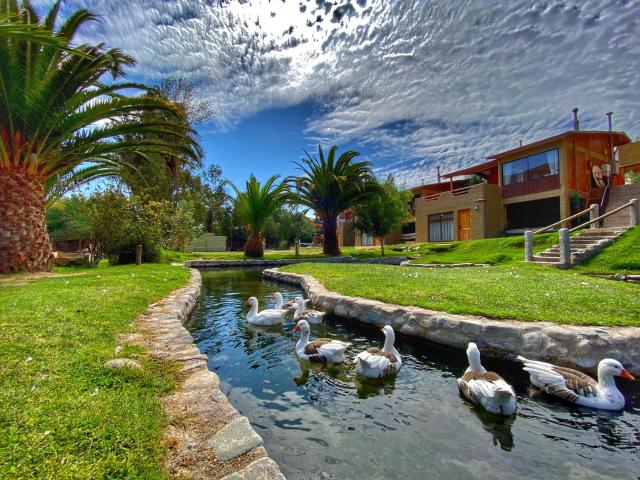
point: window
(441, 227)
(367, 240)
(532, 168)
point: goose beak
(295, 329)
(627, 375)
(382, 329)
(246, 302)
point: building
(530, 186)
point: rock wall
(574, 346)
(206, 437)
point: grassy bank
(520, 292)
(623, 256)
(491, 250)
(62, 414)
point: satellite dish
(597, 176)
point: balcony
(545, 184)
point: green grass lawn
(623, 256)
(492, 251)
(518, 291)
(62, 414)
(307, 252)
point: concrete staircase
(620, 194)
(587, 243)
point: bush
(118, 223)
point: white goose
(576, 387)
(322, 350)
(268, 316)
(375, 363)
(487, 389)
(290, 306)
(301, 313)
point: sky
(408, 84)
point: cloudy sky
(409, 84)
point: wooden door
(464, 224)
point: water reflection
(322, 421)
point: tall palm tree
(255, 205)
(331, 186)
(56, 114)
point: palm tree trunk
(330, 245)
(254, 247)
(24, 242)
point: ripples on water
(323, 422)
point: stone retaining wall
(568, 345)
(279, 263)
(206, 437)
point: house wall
(483, 200)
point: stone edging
(206, 437)
(279, 263)
(569, 345)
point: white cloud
(446, 82)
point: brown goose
(322, 350)
(487, 389)
(576, 387)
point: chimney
(612, 153)
(520, 142)
(609, 115)
(439, 178)
(576, 122)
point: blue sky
(410, 84)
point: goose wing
(565, 383)
(376, 359)
(475, 385)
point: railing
(560, 222)
(633, 215)
(564, 233)
(527, 188)
(455, 192)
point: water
(320, 422)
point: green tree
(255, 205)
(329, 186)
(56, 114)
(386, 210)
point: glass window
(532, 168)
(441, 227)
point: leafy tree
(67, 219)
(255, 205)
(330, 186)
(284, 226)
(56, 114)
(385, 210)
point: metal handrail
(560, 222)
(616, 210)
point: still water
(324, 423)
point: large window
(441, 227)
(529, 169)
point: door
(464, 224)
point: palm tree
(56, 115)
(255, 205)
(331, 186)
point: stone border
(568, 345)
(205, 437)
(443, 265)
(291, 261)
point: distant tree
(255, 205)
(329, 186)
(284, 226)
(386, 210)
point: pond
(324, 422)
